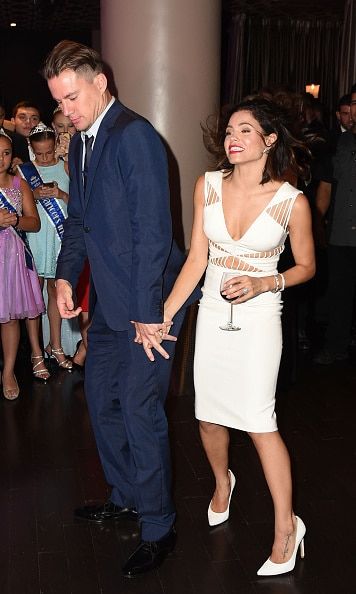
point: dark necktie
(88, 153)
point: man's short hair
(25, 105)
(344, 100)
(353, 89)
(70, 55)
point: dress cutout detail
(235, 373)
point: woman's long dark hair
(287, 156)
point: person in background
(64, 130)
(20, 295)
(82, 291)
(336, 201)
(19, 142)
(25, 116)
(343, 122)
(52, 198)
(343, 113)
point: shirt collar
(93, 130)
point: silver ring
(245, 291)
(160, 332)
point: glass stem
(231, 306)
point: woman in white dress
(243, 214)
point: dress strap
(212, 191)
(16, 182)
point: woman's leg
(33, 330)
(80, 354)
(10, 337)
(276, 467)
(84, 326)
(55, 321)
(55, 325)
(216, 440)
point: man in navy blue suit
(119, 218)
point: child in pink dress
(20, 292)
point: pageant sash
(5, 203)
(50, 205)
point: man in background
(338, 201)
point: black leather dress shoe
(149, 554)
(109, 512)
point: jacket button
(86, 229)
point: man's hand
(152, 335)
(65, 302)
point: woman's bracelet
(283, 281)
(278, 286)
(17, 221)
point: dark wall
(19, 73)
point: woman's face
(62, 123)
(44, 152)
(245, 140)
(5, 153)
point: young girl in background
(52, 197)
(64, 130)
(20, 292)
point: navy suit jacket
(122, 223)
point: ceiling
(46, 15)
(301, 9)
(84, 15)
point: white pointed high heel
(216, 518)
(270, 568)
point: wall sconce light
(313, 90)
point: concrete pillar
(165, 58)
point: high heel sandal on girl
(39, 373)
(11, 393)
(270, 568)
(76, 365)
(55, 354)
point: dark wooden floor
(49, 465)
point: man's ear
(101, 82)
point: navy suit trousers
(126, 394)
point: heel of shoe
(302, 549)
(55, 354)
(216, 518)
(270, 568)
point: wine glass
(229, 324)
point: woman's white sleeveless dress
(235, 373)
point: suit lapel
(77, 160)
(99, 144)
